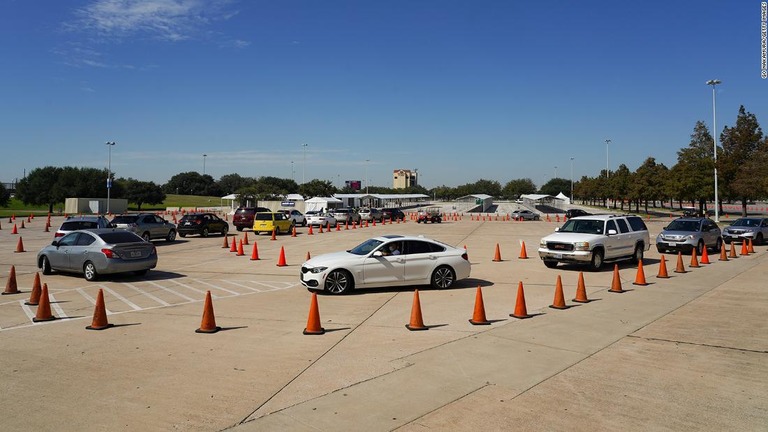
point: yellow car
(266, 222)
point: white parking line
(172, 291)
(159, 300)
(243, 286)
(121, 298)
(190, 288)
(56, 307)
(217, 287)
(27, 310)
(92, 300)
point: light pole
(607, 170)
(366, 175)
(713, 83)
(304, 164)
(293, 172)
(110, 144)
(571, 180)
(204, 156)
(555, 171)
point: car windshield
(124, 219)
(365, 247)
(263, 216)
(683, 225)
(78, 225)
(746, 222)
(117, 237)
(191, 217)
(583, 226)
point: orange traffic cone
(640, 277)
(744, 250)
(234, 245)
(616, 283)
(245, 239)
(750, 247)
(704, 257)
(694, 261)
(226, 243)
(47, 226)
(281, 260)
(478, 316)
(523, 253)
(581, 290)
(321, 229)
(11, 287)
(559, 301)
(663, 269)
(313, 320)
(338, 227)
(34, 297)
(732, 253)
(255, 252)
(680, 267)
(417, 323)
(44, 308)
(99, 314)
(521, 311)
(497, 255)
(20, 246)
(240, 248)
(310, 232)
(346, 226)
(208, 324)
(14, 230)
(274, 234)
(22, 225)
(293, 231)
(308, 257)
(723, 253)
(328, 226)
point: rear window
(637, 223)
(78, 225)
(192, 217)
(124, 219)
(117, 237)
(263, 216)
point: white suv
(596, 239)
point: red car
(243, 217)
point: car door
(158, 227)
(59, 258)
(625, 240)
(78, 253)
(386, 269)
(420, 259)
(711, 233)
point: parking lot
(685, 353)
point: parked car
(296, 216)
(278, 222)
(373, 263)
(371, 214)
(146, 225)
(320, 219)
(243, 217)
(572, 213)
(596, 239)
(74, 223)
(346, 215)
(747, 228)
(393, 214)
(685, 234)
(203, 224)
(525, 215)
(97, 252)
(430, 214)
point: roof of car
(602, 216)
(87, 218)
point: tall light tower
(571, 180)
(607, 169)
(713, 83)
(204, 156)
(366, 176)
(304, 164)
(293, 172)
(555, 171)
(110, 144)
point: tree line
(742, 163)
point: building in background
(404, 178)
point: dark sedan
(98, 251)
(202, 224)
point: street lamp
(555, 171)
(304, 164)
(606, 158)
(571, 180)
(293, 172)
(713, 83)
(366, 175)
(110, 144)
(204, 156)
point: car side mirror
(557, 229)
(612, 232)
(377, 254)
(55, 243)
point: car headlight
(542, 242)
(691, 237)
(318, 269)
(581, 246)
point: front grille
(566, 247)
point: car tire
(224, 231)
(89, 271)
(660, 250)
(759, 239)
(339, 282)
(638, 255)
(304, 223)
(45, 265)
(550, 263)
(443, 277)
(141, 272)
(204, 233)
(171, 236)
(718, 244)
(700, 247)
(277, 231)
(240, 228)
(147, 238)
(597, 260)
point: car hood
(678, 233)
(563, 237)
(740, 229)
(328, 259)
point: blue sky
(460, 90)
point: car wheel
(597, 260)
(304, 223)
(240, 228)
(224, 231)
(718, 245)
(205, 232)
(759, 238)
(45, 264)
(550, 264)
(146, 237)
(443, 277)
(277, 231)
(89, 271)
(182, 235)
(660, 250)
(700, 247)
(141, 272)
(638, 255)
(171, 236)
(339, 282)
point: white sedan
(389, 260)
(320, 219)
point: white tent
(563, 197)
(231, 198)
(320, 203)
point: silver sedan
(98, 251)
(747, 228)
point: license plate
(135, 254)
(558, 256)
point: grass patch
(18, 208)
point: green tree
(314, 188)
(555, 186)
(695, 166)
(230, 183)
(4, 196)
(741, 144)
(192, 183)
(142, 192)
(619, 184)
(514, 188)
(52, 185)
